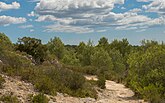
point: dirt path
(115, 93)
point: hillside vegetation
(56, 67)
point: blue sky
(80, 20)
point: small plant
(9, 99)
(40, 98)
(2, 80)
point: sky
(82, 20)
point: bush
(101, 81)
(9, 99)
(46, 85)
(2, 80)
(40, 98)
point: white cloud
(157, 6)
(135, 10)
(31, 14)
(33, 0)
(26, 26)
(7, 20)
(31, 30)
(123, 8)
(144, 0)
(132, 21)
(67, 28)
(89, 15)
(100, 31)
(141, 30)
(13, 5)
(75, 13)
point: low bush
(101, 81)
(9, 99)
(40, 98)
(2, 80)
(46, 85)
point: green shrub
(46, 85)
(40, 98)
(2, 80)
(101, 81)
(9, 99)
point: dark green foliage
(56, 47)
(40, 98)
(32, 47)
(84, 53)
(70, 59)
(123, 46)
(147, 73)
(118, 72)
(9, 99)
(103, 43)
(91, 70)
(2, 80)
(101, 81)
(102, 61)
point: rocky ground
(114, 92)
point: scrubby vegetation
(56, 67)
(9, 99)
(40, 98)
(2, 80)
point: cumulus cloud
(135, 23)
(13, 5)
(7, 20)
(75, 12)
(157, 6)
(67, 28)
(89, 15)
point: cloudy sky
(80, 20)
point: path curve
(115, 93)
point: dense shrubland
(56, 67)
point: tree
(123, 46)
(119, 71)
(70, 59)
(84, 53)
(147, 73)
(56, 47)
(102, 61)
(103, 42)
(32, 46)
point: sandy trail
(114, 92)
